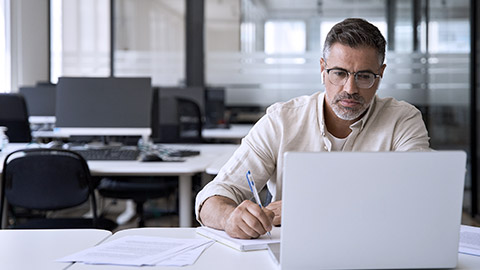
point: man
(348, 116)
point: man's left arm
(411, 133)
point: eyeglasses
(363, 79)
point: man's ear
(322, 69)
(382, 69)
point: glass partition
(150, 40)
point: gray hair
(356, 33)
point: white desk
(217, 256)
(38, 249)
(236, 132)
(209, 153)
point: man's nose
(350, 85)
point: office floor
(155, 212)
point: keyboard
(115, 153)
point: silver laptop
(376, 210)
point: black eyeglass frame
(354, 76)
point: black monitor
(103, 106)
(40, 99)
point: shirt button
(325, 147)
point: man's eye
(364, 76)
(339, 73)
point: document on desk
(469, 240)
(240, 244)
(142, 250)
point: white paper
(469, 240)
(137, 251)
(186, 258)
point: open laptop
(375, 210)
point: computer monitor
(40, 101)
(103, 106)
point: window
(4, 47)
(285, 37)
(80, 38)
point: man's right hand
(248, 221)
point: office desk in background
(37, 249)
(233, 134)
(209, 154)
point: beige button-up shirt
(299, 125)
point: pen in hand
(253, 188)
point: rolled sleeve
(254, 154)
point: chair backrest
(14, 116)
(177, 115)
(190, 121)
(46, 179)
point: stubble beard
(348, 113)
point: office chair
(190, 122)
(14, 116)
(139, 190)
(43, 180)
(176, 117)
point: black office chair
(176, 118)
(190, 121)
(14, 116)
(44, 180)
(140, 190)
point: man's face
(349, 102)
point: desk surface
(235, 132)
(217, 256)
(38, 249)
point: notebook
(376, 210)
(240, 244)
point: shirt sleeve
(256, 153)
(411, 133)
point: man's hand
(276, 208)
(248, 220)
